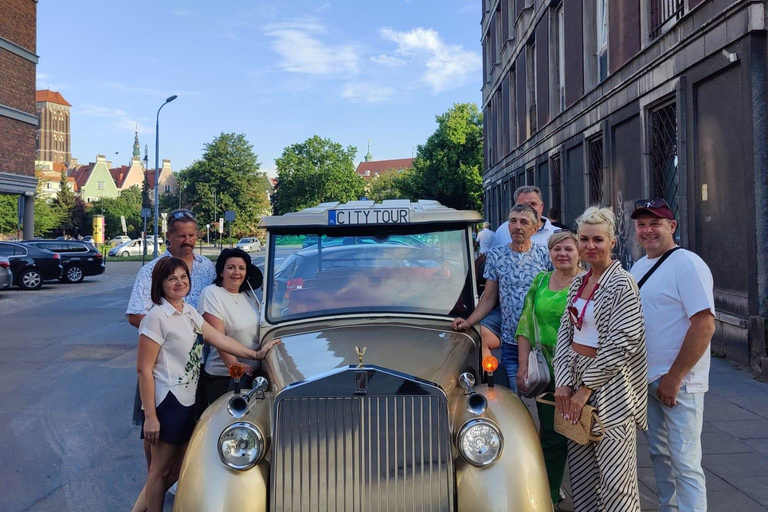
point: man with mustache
(182, 236)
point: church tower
(53, 139)
(136, 147)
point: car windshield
(246, 240)
(395, 271)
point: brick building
(53, 140)
(18, 63)
(610, 101)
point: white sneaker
(172, 490)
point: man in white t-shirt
(531, 196)
(485, 238)
(679, 310)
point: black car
(78, 257)
(31, 265)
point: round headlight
(241, 445)
(480, 442)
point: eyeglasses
(651, 203)
(180, 214)
(564, 230)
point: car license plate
(369, 216)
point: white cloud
(446, 65)
(367, 92)
(43, 81)
(388, 60)
(181, 12)
(122, 121)
(326, 5)
(302, 51)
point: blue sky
(277, 71)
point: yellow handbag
(580, 432)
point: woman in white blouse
(171, 336)
(230, 307)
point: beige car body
(421, 347)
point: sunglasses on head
(651, 203)
(182, 214)
(565, 230)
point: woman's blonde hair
(599, 215)
(561, 236)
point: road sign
(221, 225)
(146, 213)
(229, 215)
(122, 221)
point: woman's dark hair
(250, 270)
(164, 268)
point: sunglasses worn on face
(651, 203)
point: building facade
(52, 140)
(611, 101)
(18, 63)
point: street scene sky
(279, 72)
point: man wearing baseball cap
(677, 295)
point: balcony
(664, 14)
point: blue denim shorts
(176, 421)
(492, 321)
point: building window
(530, 77)
(167, 189)
(499, 36)
(664, 14)
(100, 185)
(602, 39)
(560, 57)
(555, 180)
(367, 173)
(529, 177)
(511, 112)
(664, 155)
(595, 170)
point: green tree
(316, 171)
(127, 204)
(392, 184)
(64, 204)
(227, 177)
(8, 213)
(47, 216)
(448, 166)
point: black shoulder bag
(657, 265)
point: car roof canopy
(390, 212)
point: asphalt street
(67, 360)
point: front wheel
(125, 254)
(74, 274)
(30, 280)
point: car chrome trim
(479, 421)
(387, 449)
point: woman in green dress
(542, 312)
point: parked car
(78, 257)
(371, 396)
(119, 239)
(130, 248)
(249, 244)
(31, 265)
(6, 276)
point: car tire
(125, 254)
(74, 274)
(30, 279)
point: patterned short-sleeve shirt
(514, 271)
(203, 273)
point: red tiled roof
(80, 175)
(378, 166)
(273, 181)
(51, 97)
(59, 166)
(119, 174)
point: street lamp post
(157, 169)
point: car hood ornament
(360, 354)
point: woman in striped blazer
(600, 360)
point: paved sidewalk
(734, 444)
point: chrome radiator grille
(362, 453)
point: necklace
(561, 285)
(520, 257)
(576, 318)
(235, 295)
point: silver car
(129, 248)
(6, 276)
(249, 244)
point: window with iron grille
(664, 155)
(557, 191)
(664, 14)
(596, 170)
